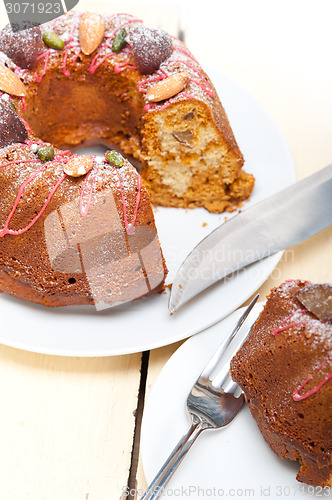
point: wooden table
(68, 425)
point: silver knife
(282, 220)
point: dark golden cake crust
(284, 369)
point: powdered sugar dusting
(177, 57)
(6, 61)
(21, 47)
(317, 299)
(316, 374)
(301, 316)
(123, 182)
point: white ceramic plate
(230, 462)
(146, 324)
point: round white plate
(231, 462)
(146, 324)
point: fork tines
(223, 379)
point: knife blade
(280, 221)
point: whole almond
(91, 32)
(168, 87)
(10, 83)
(78, 165)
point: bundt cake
(87, 79)
(285, 371)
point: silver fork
(211, 404)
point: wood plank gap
(132, 478)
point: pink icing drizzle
(27, 126)
(185, 51)
(160, 76)
(24, 103)
(122, 196)
(138, 198)
(206, 88)
(98, 60)
(65, 71)
(45, 55)
(69, 45)
(84, 211)
(95, 65)
(16, 162)
(118, 68)
(6, 229)
(129, 226)
(125, 23)
(282, 327)
(61, 158)
(298, 397)
(71, 36)
(77, 53)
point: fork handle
(155, 489)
